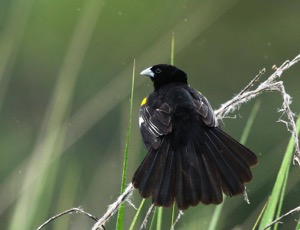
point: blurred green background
(65, 77)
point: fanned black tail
(208, 162)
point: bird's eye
(158, 70)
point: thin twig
(268, 85)
(246, 196)
(114, 207)
(180, 214)
(281, 217)
(72, 210)
(149, 213)
(255, 79)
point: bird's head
(164, 74)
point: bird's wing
(204, 109)
(154, 123)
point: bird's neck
(157, 83)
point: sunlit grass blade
(172, 48)
(260, 215)
(283, 189)
(137, 215)
(120, 218)
(276, 199)
(153, 219)
(173, 215)
(298, 225)
(217, 213)
(159, 218)
(250, 122)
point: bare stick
(72, 210)
(149, 213)
(255, 79)
(281, 217)
(113, 207)
(180, 214)
(268, 85)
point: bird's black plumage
(189, 159)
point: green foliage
(159, 218)
(121, 216)
(133, 223)
(275, 202)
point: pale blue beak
(147, 72)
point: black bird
(189, 159)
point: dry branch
(281, 217)
(113, 207)
(268, 85)
(72, 210)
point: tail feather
(192, 177)
(146, 174)
(212, 193)
(164, 192)
(228, 174)
(198, 171)
(239, 150)
(233, 161)
(188, 187)
(180, 184)
(149, 172)
(209, 178)
(232, 153)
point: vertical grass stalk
(120, 218)
(172, 48)
(278, 192)
(159, 218)
(136, 215)
(172, 63)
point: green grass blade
(250, 122)
(281, 199)
(153, 219)
(260, 215)
(137, 215)
(159, 218)
(279, 187)
(216, 215)
(217, 212)
(120, 218)
(173, 215)
(172, 48)
(298, 225)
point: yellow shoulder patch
(144, 101)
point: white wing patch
(141, 121)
